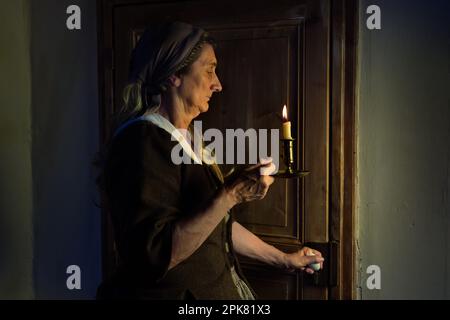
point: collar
(176, 134)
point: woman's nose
(216, 86)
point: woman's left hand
(302, 259)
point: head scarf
(159, 53)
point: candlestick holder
(287, 156)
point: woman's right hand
(249, 184)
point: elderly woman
(172, 224)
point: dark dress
(147, 194)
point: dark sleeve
(144, 193)
(230, 219)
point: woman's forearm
(189, 234)
(249, 245)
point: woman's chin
(204, 108)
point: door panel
(283, 286)
(246, 54)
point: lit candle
(286, 125)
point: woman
(173, 231)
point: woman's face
(198, 85)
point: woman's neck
(176, 114)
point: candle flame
(285, 118)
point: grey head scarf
(159, 53)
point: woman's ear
(174, 81)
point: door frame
(343, 51)
(343, 146)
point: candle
(286, 125)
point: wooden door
(270, 53)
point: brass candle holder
(287, 156)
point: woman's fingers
(255, 180)
(309, 270)
(267, 180)
(266, 160)
(264, 163)
(253, 168)
(317, 253)
(255, 189)
(267, 169)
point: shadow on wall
(65, 139)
